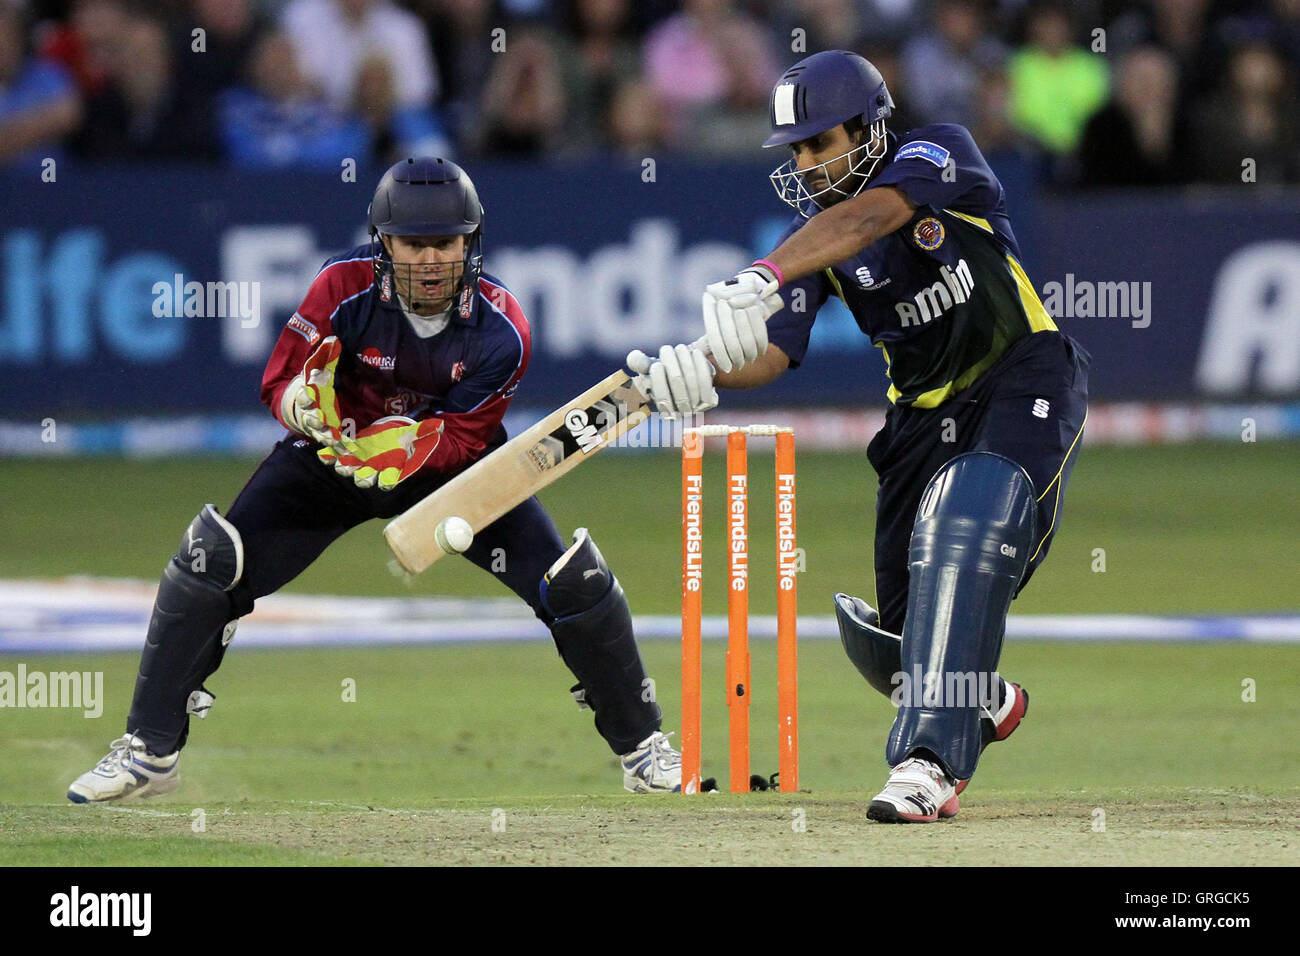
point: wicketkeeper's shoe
(128, 770)
(918, 791)
(1000, 726)
(654, 767)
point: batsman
(392, 376)
(987, 402)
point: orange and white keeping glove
(309, 405)
(385, 453)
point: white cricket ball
(454, 535)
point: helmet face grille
(455, 279)
(792, 184)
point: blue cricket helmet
(817, 94)
(824, 90)
(427, 196)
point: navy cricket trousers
(1029, 407)
(294, 506)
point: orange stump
(787, 567)
(738, 609)
(789, 561)
(692, 607)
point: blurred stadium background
(1150, 150)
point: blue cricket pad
(593, 632)
(577, 581)
(970, 548)
(200, 593)
(182, 649)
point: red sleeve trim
(502, 302)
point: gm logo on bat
(582, 430)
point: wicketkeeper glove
(310, 405)
(385, 453)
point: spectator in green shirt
(1056, 86)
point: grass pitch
(1131, 754)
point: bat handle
(702, 343)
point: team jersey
(942, 297)
(466, 374)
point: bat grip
(702, 343)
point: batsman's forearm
(767, 368)
(841, 232)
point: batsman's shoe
(1000, 726)
(918, 791)
(654, 767)
(128, 770)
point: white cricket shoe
(918, 791)
(654, 767)
(129, 769)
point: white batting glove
(735, 316)
(679, 382)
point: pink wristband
(780, 277)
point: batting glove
(735, 316)
(679, 382)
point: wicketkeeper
(393, 375)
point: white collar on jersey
(426, 326)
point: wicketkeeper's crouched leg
(193, 620)
(576, 595)
(286, 515)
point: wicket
(737, 664)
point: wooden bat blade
(518, 469)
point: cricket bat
(518, 469)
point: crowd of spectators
(1091, 93)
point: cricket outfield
(1132, 753)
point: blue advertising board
(161, 290)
